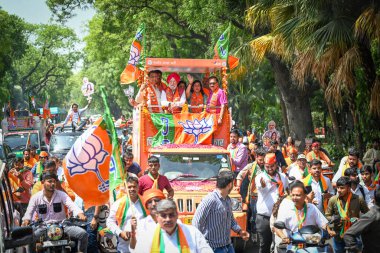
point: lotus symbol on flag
(197, 127)
(134, 56)
(85, 156)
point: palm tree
(323, 41)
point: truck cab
(191, 147)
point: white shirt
(318, 193)
(196, 241)
(165, 102)
(288, 215)
(134, 209)
(139, 97)
(366, 198)
(267, 196)
(295, 171)
(75, 115)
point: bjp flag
(86, 165)
(131, 72)
(183, 128)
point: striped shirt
(214, 218)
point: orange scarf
(121, 213)
(151, 94)
(323, 186)
(158, 244)
(346, 166)
(173, 98)
(344, 215)
(280, 185)
(196, 100)
(214, 100)
(155, 181)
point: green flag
(221, 49)
(166, 128)
(117, 172)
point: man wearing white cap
(298, 170)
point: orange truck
(191, 146)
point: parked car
(12, 235)
(61, 143)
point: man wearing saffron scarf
(38, 167)
(154, 180)
(347, 206)
(150, 92)
(321, 186)
(316, 153)
(270, 185)
(217, 98)
(125, 213)
(171, 97)
(298, 214)
(170, 236)
(367, 174)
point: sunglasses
(167, 215)
(211, 83)
(151, 201)
(43, 157)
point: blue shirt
(214, 218)
(134, 168)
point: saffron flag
(86, 165)
(132, 70)
(46, 110)
(181, 128)
(117, 173)
(222, 49)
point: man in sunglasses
(217, 98)
(169, 235)
(38, 167)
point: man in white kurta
(123, 215)
(170, 233)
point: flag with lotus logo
(181, 128)
(86, 165)
(132, 70)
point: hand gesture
(262, 182)
(190, 78)
(133, 223)
(311, 196)
(219, 121)
(25, 223)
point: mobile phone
(308, 189)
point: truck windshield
(62, 142)
(17, 141)
(200, 167)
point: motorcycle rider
(49, 205)
(298, 213)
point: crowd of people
(276, 184)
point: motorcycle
(54, 239)
(308, 239)
(107, 240)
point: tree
(12, 47)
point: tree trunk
(335, 125)
(284, 118)
(296, 101)
(357, 130)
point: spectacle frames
(43, 157)
(167, 215)
(151, 201)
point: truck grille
(185, 205)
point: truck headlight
(236, 204)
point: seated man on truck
(74, 116)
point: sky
(37, 12)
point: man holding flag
(124, 213)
